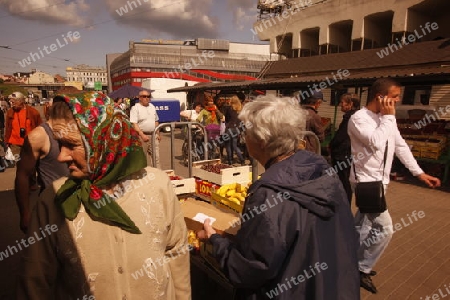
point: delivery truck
(161, 85)
(168, 110)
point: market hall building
(198, 60)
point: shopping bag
(9, 155)
(222, 128)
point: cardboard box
(225, 223)
(226, 176)
(182, 186)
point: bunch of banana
(233, 192)
(193, 240)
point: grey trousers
(148, 149)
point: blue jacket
(297, 238)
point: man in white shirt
(369, 130)
(144, 118)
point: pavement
(416, 264)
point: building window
(416, 95)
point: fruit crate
(181, 185)
(432, 155)
(426, 146)
(226, 176)
(416, 140)
(203, 188)
(224, 202)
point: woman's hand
(207, 230)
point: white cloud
(244, 12)
(177, 18)
(47, 11)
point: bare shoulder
(38, 137)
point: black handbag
(370, 195)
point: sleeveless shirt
(49, 168)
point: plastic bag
(9, 155)
(222, 128)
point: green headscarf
(113, 151)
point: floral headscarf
(113, 151)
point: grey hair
(276, 123)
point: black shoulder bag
(370, 195)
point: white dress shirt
(368, 133)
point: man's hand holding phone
(387, 105)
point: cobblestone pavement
(416, 263)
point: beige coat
(84, 257)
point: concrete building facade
(200, 60)
(317, 27)
(86, 75)
(39, 77)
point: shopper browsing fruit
(298, 240)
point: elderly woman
(113, 229)
(297, 239)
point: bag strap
(384, 162)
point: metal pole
(189, 149)
(172, 139)
(172, 143)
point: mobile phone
(381, 97)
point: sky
(71, 32)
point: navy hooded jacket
(297, 238)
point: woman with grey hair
(297, 239)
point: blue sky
(30, 25)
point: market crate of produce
(432, 155)
(231, 196)
(416, 152)
(436, 141)
(416, 140)
(203, 188)
(427, 146)
(180, 184)
(214, 171)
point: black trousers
(344, 174)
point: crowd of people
(113, 215)
(221, 117)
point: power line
(44, 56)
(37, 63)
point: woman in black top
(233, 130)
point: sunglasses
(144, 96)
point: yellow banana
(231, 193)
